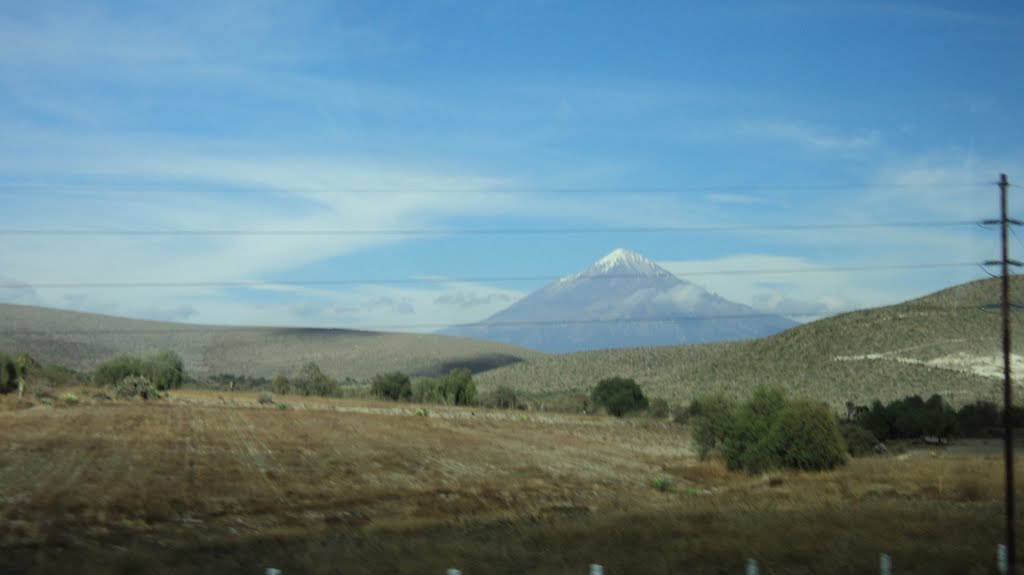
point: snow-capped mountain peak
(627, 263)
(623, 300)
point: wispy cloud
(807, 136)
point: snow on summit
(623, 262)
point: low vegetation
(619, 396)
(913, 417)
(455, 388)
(768, 431)
(165, 370)
(9, 374)
(395, 386)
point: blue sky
(464, 153)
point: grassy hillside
(924, 346)
(80, 341)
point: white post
(885, 564)
(1003, 558)
(454, 572)
(272, 571)
(596, 569)
(752, 567)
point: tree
(713, 422)
(975, 418)
(806, 436)
(456, 388)
(859, 441)
(312, 381)
(619, 396)
(459, 387)
(164, 370)
(394, 386)
(280, 385)
(744, 447)
(504, 397)
(8, 374)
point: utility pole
(1005, 262)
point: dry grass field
(208, 483)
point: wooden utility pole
(1005, 262)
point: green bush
(394, 386)
(460, 388)
(280, 385)
(165, 370)
(8, 374)
(428, 390)
(619, 395)
(136, 386)
(456, 388)
(504, 397)
(713, 422)
(312, 381)
(806, 436)
(768, 431)
(743, 447)
(859, 441)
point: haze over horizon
(353, 165)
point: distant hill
(948, 343)
(623, 300)
(81, 340)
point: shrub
(743, 447)
(714, 422)
(658, 409)
(8, 374)
(459, 387)
(456, 388)
(69, 399)
(663, 484)
(136, 386)
(394, 386)
(619, 396)
(504, 397)
(806, 436)
(428, 390)
(280, 385)
(859, 441)
(165, 370)
(312, 381)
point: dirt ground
(208, 483)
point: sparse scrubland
(207, 482)
(430, 461)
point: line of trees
(913, 417)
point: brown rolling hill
(948, 342)
(82, 340)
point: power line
(484, 189)
(454, 280)
(485, 232)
